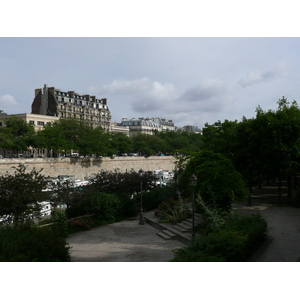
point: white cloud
(145, 95)
(6, 101)
(155, 98)
(280, 71)
(124, 87)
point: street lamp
(141, 222)
(193, 182)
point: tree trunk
(279, 189)
(250, 192)
(289, 186)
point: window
(0, 123)
(40, 123)
(31, 122)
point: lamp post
(141, 222)
(193, 182)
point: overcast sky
(188, 80)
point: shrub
(128, 206)
(28, 243)
(222, 246)
(84, 223)
(254, 226)
(106, 206)
(218, 181)
(173, 211)
(152, 198)
(60, 226)
(233, 241)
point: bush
(154, 197)
(173, 211)
(218, 181)
(106, 206)
(233, 241)
(84, 223)
(128, 206)
(254, 226)
(60, 226)
(28, 243)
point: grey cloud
(204, 91)
(258, 77)
(145, 94)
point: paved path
(124, 241)
(284, 228)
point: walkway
(284, 229)
(127, 241)
(124, 241)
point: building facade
(147, 125)
(119, 129)
(190, 129)
(38, 121)
(51, 101)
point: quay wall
(86, 167)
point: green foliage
(221, 137)
(234, 241)
(84, 223)
(121, 143)
(128, 206)
(173, 141)
(154, 197)
(106, 206)
(254, 226)
(60, 220)
(213, 217)
(218, 182)
(21, 194)
(173, 211)
(128, 182)
(267, 146)
(66, 135)
(19, 134)
(28, 243)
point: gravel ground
(124, 241)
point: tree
(6, 140)
(20, 132)
(21, 194)
(221, 137)
(121, 143)
(142, 144)
(219, 184)
(119, 183)
(66, 135)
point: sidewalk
(127, 241)
(124, 241)
(284, 229)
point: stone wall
(86, 167)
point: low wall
(86, 167)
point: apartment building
(119, 129)
(190, 129)
(147, 125)
(51, 101)
(38, 121)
